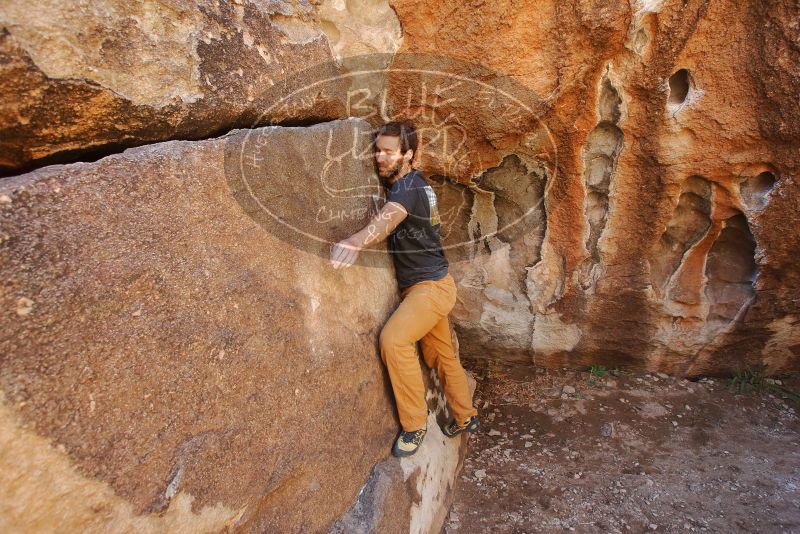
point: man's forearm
(376, 231)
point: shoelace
(411, 437)
(457, 426)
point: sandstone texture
(618, 184)
(646, 219)
(84, 79)
(618, 180)
(168, 365)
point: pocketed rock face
(169, 365)
(669, 192)
(619, 258)
(91, 78)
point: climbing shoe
(454, 429)
(407, 443)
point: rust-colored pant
(422, 316)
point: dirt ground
(570, 451)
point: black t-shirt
(415, 244)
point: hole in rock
(455, 208)
(610, 102)
(755, 189)
(643, 36)
(730, 271)
(689, 223)
(600, 155)
(518, 201)
(640, 41)
(679, 87)
(596, 210)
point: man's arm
(345, 252)
(379, 228)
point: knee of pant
(388, 339)
(390, 343)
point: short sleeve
(403, 195)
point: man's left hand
(344, 254)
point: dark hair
(405, 130)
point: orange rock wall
(666, 233)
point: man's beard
(386, 179)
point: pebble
(568, 390)
(24, 306)
(494, 433)
(480, 474)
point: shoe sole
(403, 454)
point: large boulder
(82, 80)
(171, 361)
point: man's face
(388, 157)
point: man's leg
(437, 349)
(421, 308)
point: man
(410, 219)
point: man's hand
(344, 253)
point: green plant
(789, 393)
(748, 379)
(598, 370)
(745, 380)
